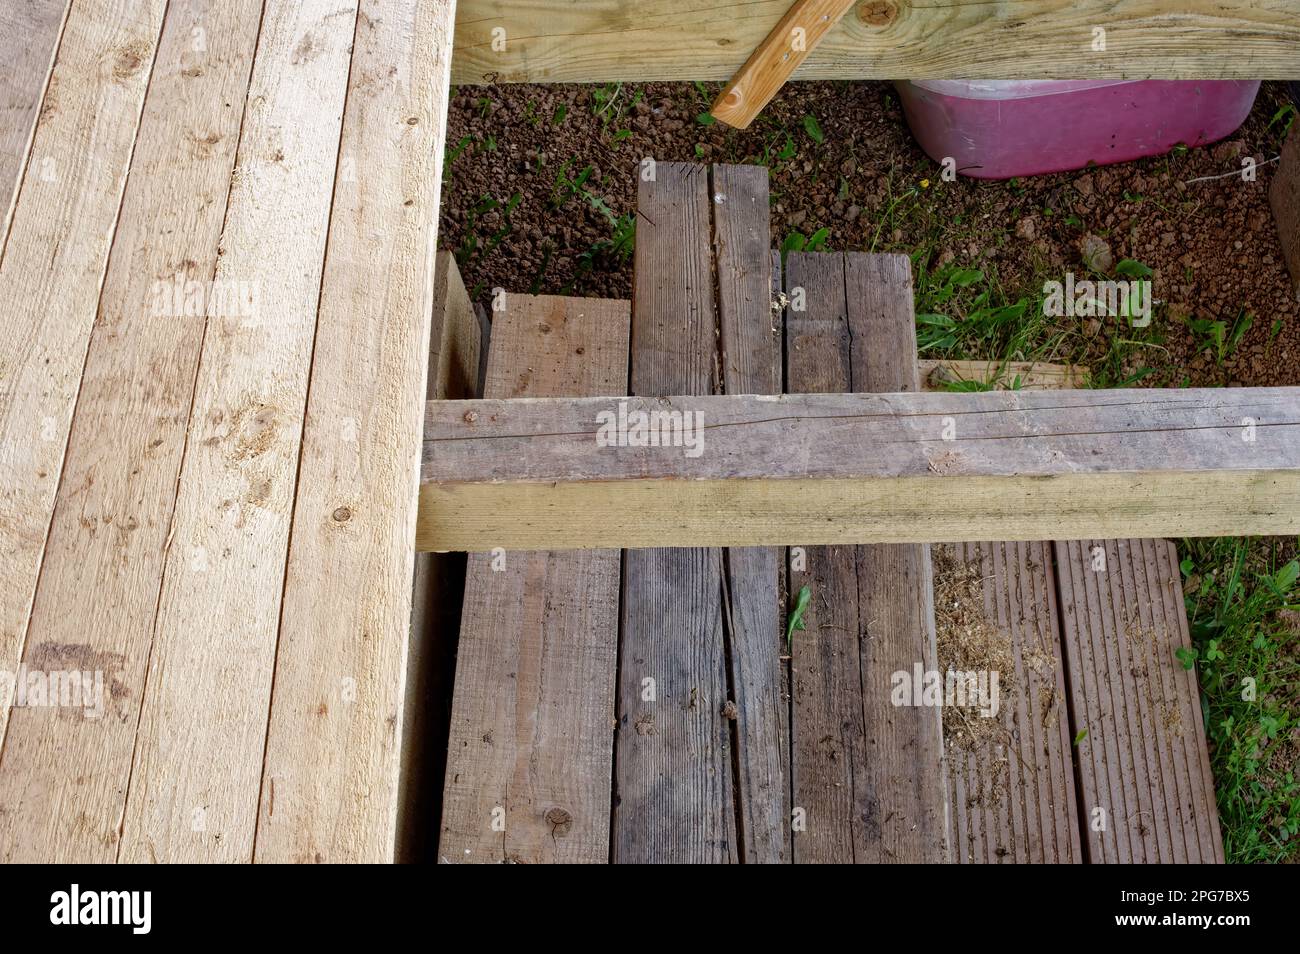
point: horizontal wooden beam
(750, 470)
(557, 41)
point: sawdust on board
(967, 640)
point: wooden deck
(217, 277)
(719, 741)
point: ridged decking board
(529, 758)
(862, 468)
(163, 273)
(639, 40)
(1011, 783)
(867, 775)
(1144, 771)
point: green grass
(1239, 595)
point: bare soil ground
(540, 190)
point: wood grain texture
(1144, 772)
(942, 374)
(673, 770)
(1284, 198)
(63, 777)
(529, 763)
(1012, 794)
(750, 339)
(50, 285)
(906, 805)
(29, 37)
(828, 735)
(334, 743)
(198, 761)
(455, 346)
(606, 40)
(868, 467)
(776, 58)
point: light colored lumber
(455, 346)
(1147, 793)
(555, 41)
(673, 747)
(1284, 198)
(874, 468)
(203, 726)
(1011, 788)
(938, 374)
(750, 354)
(776, 58)
(529, 762)
(50, 276)
(63, 777)
(335, 737)
(29, 37)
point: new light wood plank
(673, 771)
(29, 37)
(63, 776)
(51, 275)
(1011, 789)
(605, 40)
(334, 744)
(455, 345)
(198, 761)
(750, 339)
(776, 58)
(529, 762)
(1020, 465)
(1145, 783)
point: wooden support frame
(862, 468)
(596, 41)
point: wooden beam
(554, 41)
(853, 468)
(943, 374)
(330, 786)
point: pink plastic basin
(996, 129)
